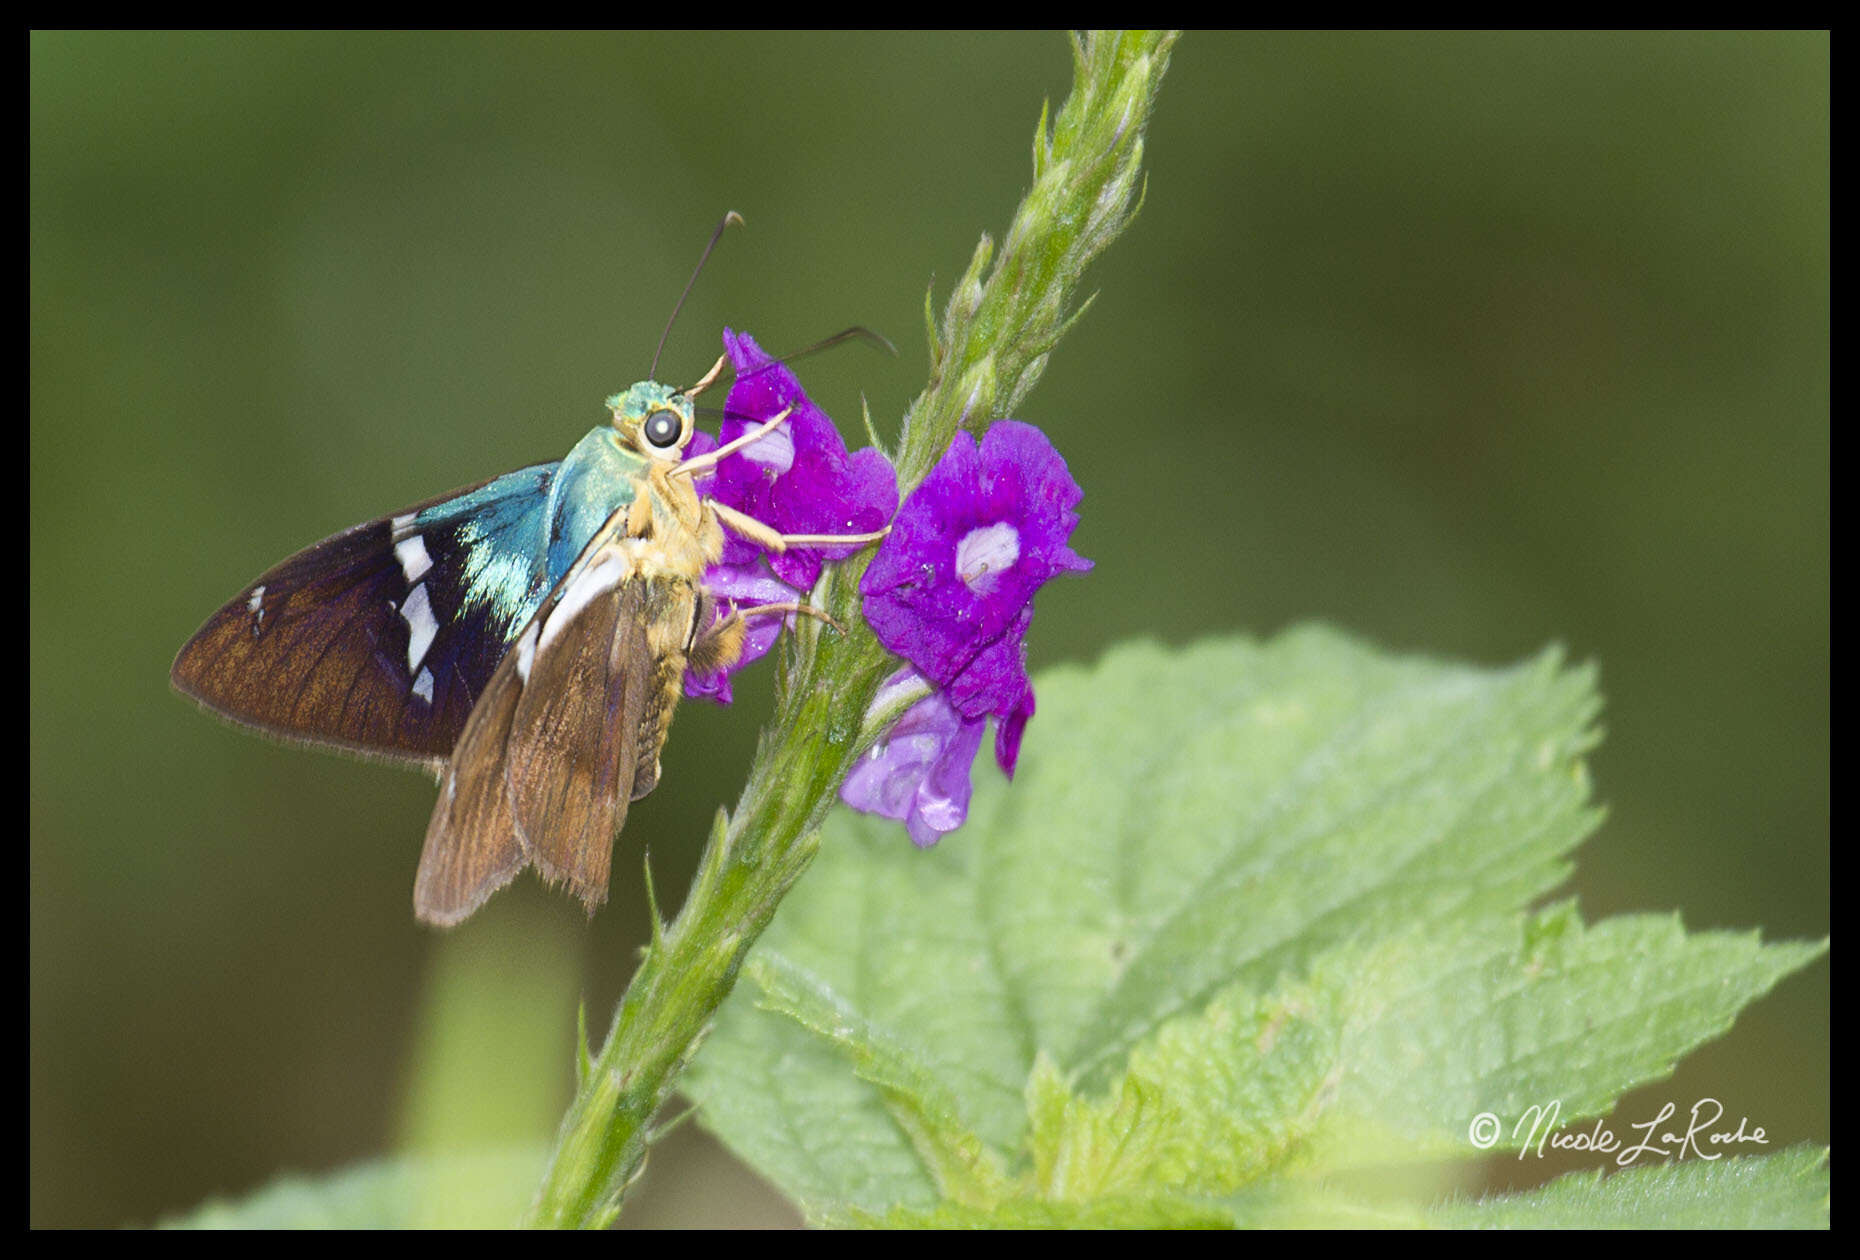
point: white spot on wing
(526, 652)
(400, 526)
(423, 685)
(256, 604)
(604, 572)
(414, 562)
(421, 627)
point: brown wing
(380, 640)
(574, 738)
(472, 847)
(475, 841)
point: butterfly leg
(767, 536)
(714, 647)
(710, 459)
(806, 610)
(718, 647)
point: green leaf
(1156, 1212)
(484, 1190)
(1250, 914)
(1787, 1190)
(1260, 803)
(1385, 1054)
(960, 1164)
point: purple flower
(918, 772)
(951, 589)
(798, 479)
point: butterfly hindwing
(574, 740)
(550, 758)
(381, 639)
(472, 847)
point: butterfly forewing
(381, 639)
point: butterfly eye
(663, 429)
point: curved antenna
(840, 338)
(728, 219)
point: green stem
(996, 333)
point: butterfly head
(653, 419)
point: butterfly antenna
(837, 339)
(728, 219)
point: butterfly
(525, 638)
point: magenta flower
(799, 479)
(918, 772)
(951, 589)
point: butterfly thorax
(597, 478)
(685, 534)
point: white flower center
(773, 450)
(985, 554)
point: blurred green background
(1467, 343)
